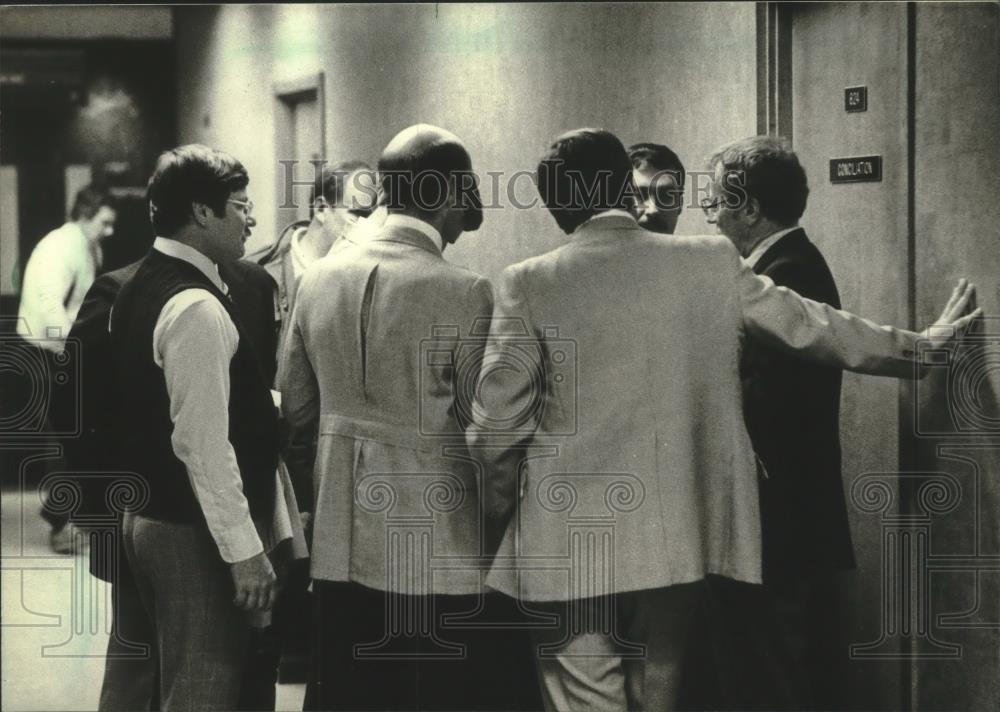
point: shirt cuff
(238, 542)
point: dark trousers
(43, 397)
(293, 623)
(780, 646)
(130, 673)
(375, 650)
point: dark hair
(88, 201)
(418, 180)
(585, 172)
(658, 157)
(191, 174)
(767, 169)
(330, 182)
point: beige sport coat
(376, 352)
(614, 360)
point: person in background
(341, 194)
(60, 270)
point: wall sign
(862, 169)
(855, 99)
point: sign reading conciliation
(862, 169)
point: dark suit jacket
(792, 411)
(300, 449)
(251, 289)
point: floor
(50, 658)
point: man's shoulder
(108, 285)
(278, 250)
(540, 265)
(247, 271)
(799, 265)
(794, 250)
(116, 278)
(460, 274)
(63, 239)
(719, 244)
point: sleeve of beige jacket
(509, 393)
(296, 377)
(818, 332)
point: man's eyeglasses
(730, 201)
(710, 205)
(247, 205)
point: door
(919, 459)
(299, 142)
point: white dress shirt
(59, 272)
(300, 258)
(397, 220)
(194, 341)
(364, 229)
(764, 245)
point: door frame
(287, 93)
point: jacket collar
(180, 251)
(785, 242)
(276, 249)
(612, 222)
(407, 236)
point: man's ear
(320, 206)
(466, 197)
(201, 212)
(751, 211)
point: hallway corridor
(51, 659)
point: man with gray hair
(792, 412)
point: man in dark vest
(196, 419)
(130, 677)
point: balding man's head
(426, 172)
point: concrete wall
(956, 188)
(506, 78)
(861, 230)
(864, 231)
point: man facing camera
(609, 419)
(341, 194)
(197, 422)
(658, 176)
